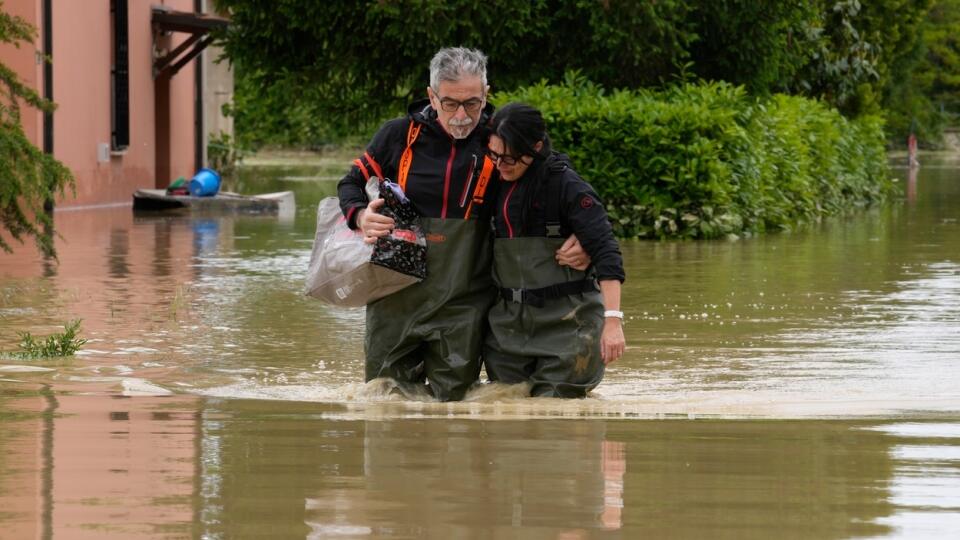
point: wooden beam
(162, 62)
(182, 21)
(172, 70)
(161, 114)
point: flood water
(803, 384)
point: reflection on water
(95, 467)
(926, 481)
(100, 467)
(913, 174)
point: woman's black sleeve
(587, 218)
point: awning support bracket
(165, 21)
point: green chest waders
(432, 331)
(549, 338)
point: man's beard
(460, 129)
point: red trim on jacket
(506, 215)
(446, 179)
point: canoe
(153, 200)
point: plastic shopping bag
(346, 271)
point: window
(120, 78)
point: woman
(550, 327)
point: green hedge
(705, 160)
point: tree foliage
(312, 71)
(924, 91)
(939, 72)
(29, 178)
(760, 45)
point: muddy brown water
(803, 384)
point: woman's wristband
(613, 313)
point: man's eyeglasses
(471, 105)
(506, 159)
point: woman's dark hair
(521, 127)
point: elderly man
(432, 331)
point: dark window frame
(120, 76)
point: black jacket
(443, 172)
(521, 210)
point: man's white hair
(453, 63)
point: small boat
(152, 200)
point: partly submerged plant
(65, 343)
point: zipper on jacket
(469, 182)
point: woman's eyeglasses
(506, 159)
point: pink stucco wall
(182, 96)
(81, 77)
(23, 61)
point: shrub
(65, 343)
(705, 160)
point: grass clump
(64, 343)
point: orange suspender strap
(363, 170)
(407, 157)
(374, 165)
(485, 173)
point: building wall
(182, 121)
(217, 90)
(81, 59)
(82, 56)
(23, 61)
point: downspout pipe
(48, 91)
(198, 135)
(48, 74)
